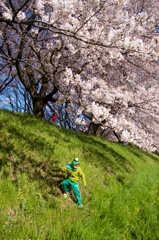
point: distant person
(74, 172)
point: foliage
(121, 200)
(93, 62)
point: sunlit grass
(121, 200)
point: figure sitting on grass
(73, 173)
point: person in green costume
(74, 172)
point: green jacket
(73, 174)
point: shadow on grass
(44, 173)
(107, 156)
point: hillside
(121, 200)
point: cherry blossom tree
(97, 58)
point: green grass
(121, 200)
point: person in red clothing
(54, 117)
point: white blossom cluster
(7, 14)
(88, 44)
(21, 16)
(109, 24)
(123, 121)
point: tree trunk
(94, 129)
(38, 108)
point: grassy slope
(121, 200)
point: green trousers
(67, 183)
